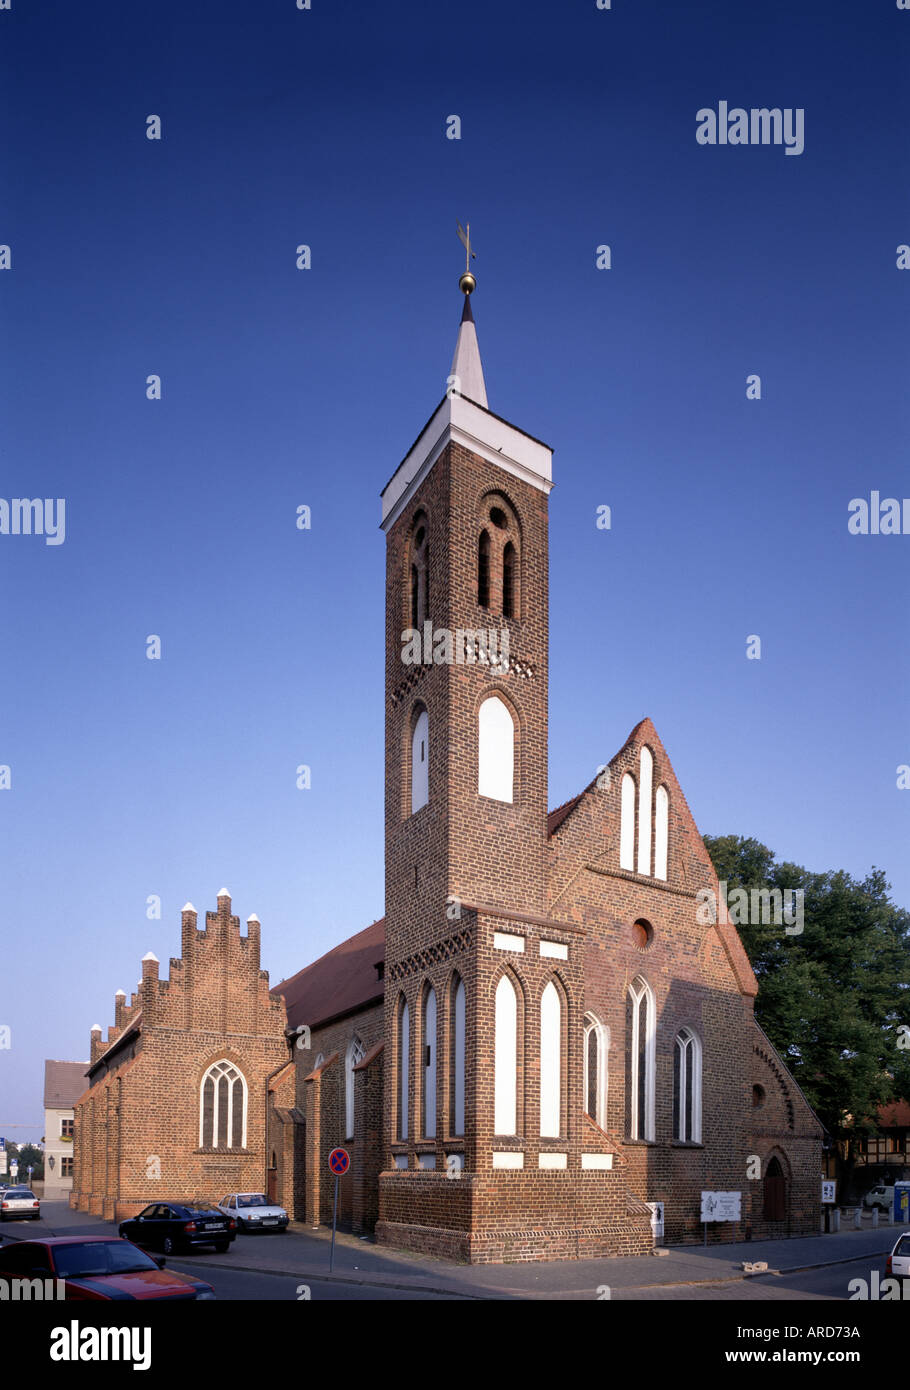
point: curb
(326, 1278)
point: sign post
(720, 1206)
(339, 1162)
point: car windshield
(99, 1257)
(252, 1199)
(903, 1246)
(19, 1192)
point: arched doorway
(775, 1191)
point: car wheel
(167, 1245)
(221, 1246)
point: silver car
(19, 1203)
(254, 1212)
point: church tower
(465, 518)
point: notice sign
(720, 1206)
(828, 1191)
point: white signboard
(657, 1219)
(828, 1191)
(720, 1206)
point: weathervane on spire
(467, 284)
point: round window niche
(642, 934)
(758, 1097)
(498, 518)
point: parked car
(881, 1197)
(253, 1211)
(19, 1203)
(172, 1226)
(98, 1267)
(898, 1262)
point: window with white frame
(404, 1046)
(687, 1087)
(458, 1053)
(651, 836)
(645, 778)
(550, 1061)
(429, 1064)
(661, 831)
(627, 823)
(420, 762)
(496, 750)
(354, 1055)
(222, 1108)
(596, 1046)
(640, 1060)
(505, 1081)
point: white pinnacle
(150, 955)
(187, 907)
(466, 364)
(224, 893)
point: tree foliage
(834, 998)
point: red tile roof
(897, 1113)
(343, 980)
(64, 1083)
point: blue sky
(282, 387)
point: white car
(881, 1197)
(254, 1212)
(19, 1202)
(898, 1263)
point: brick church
(541, 1040)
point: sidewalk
(361, 1262)
(303, 1254)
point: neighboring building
(564, 1041)
(178, 1094)
(64, 1082)
(882, 1157)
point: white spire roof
(466, 364)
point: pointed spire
(466, 364)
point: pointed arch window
(458, 1056)
(505, 1084)
(483, 570)
(420, 571)
(429, 1064)
(420, 761)
(354, 1055)
(550, 1061)
(627, 823)
(661, 831)
(687, 1087)
(222, 1108)
(596, 1046)
(508, 580)
(404, 1046)
(496, 750)
(640, 1060)
(646, 773)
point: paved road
(249, 1286)
(265, 1267)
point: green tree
(834, 998)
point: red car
(95, 1267)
